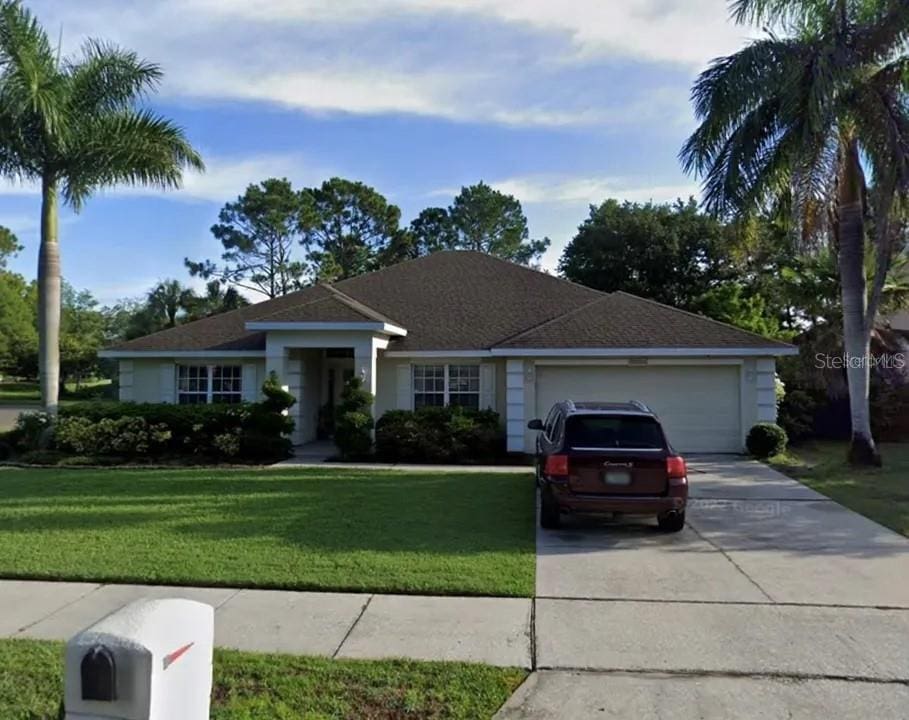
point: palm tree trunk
(856, 332)
(49, 298)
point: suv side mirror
(535, 424)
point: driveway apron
(773, 596)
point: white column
(766, 390)
(295, 386)
(515, 418)
(365, 355)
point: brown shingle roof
(466, 301)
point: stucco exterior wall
(154, 380)
(389, 388)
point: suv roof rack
(640, 406)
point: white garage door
(698, 406)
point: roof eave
(381, 327)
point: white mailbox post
(151, 660)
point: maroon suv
(608, 458)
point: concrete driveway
(774, 602)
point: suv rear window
(613, 431)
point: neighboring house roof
(460, 300)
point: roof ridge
(543, 324)
(728, 326)
(358, 306)
(526, 268)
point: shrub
(41, 457)
(439, 434)
(796, 414)
(264, 433)
(124, 436)
(766, 440)
(256, 431)
(353, 421)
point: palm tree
(168, 299)
(809, 112)
(74, 126)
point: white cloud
(418, 56)
(562, 190)
(688, 32)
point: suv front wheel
(550, 518)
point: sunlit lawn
(326, 529)
(881, 494)
(264, 687)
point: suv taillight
(676, 470)
(556, 465)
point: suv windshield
(613, 431)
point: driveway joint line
(759, 603)
(734, 563)
(533, 633)
(59, 609)
(352, 626)
(743, 674)
(228, 599)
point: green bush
(251, 431)
(766, 440)
(125, 436)
(796, 414)
(439, 435)
(33, 431)
(353, 421)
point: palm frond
(884, 33)
(30, 82)
(131, 147)
(797, 14)
(732, 88)
(108, 78)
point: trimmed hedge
(440, 435)
(249, 431)
(766, 440)
(353, 421)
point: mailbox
(151, 660)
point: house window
(438, 385)
(200, 384)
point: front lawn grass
(324, 529)
(27, 392)
(252, 687)
(881, 494)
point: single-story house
(469, 329)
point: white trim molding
(438, 353)
(176, 354)
(381, 327)
(645, 352)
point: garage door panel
(699, 406)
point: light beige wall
(387, 384)
(148, 374)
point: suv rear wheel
(550, 518)
(671, 522)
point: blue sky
(562, 104)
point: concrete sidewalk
(495, 631)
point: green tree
(733, 303)
(673, 254)
(9, 246)
(810, 109)
(81, 334)
(168, 301)
(75, 126)
(216, 300)
(18, 333)
(260, 232)
(489, 221)
(346, 227)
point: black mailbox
(99, 675)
